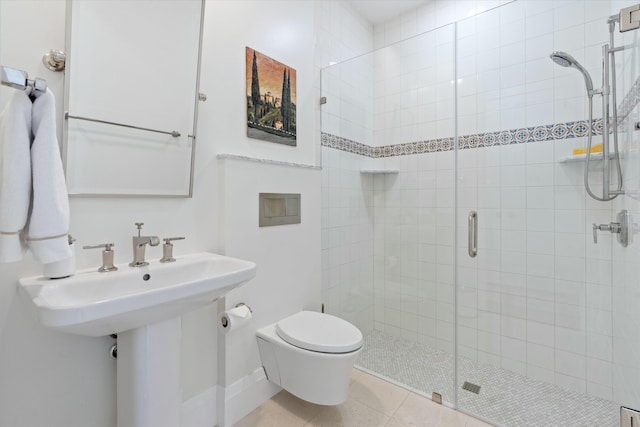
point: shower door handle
(473, 234)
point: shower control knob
(601, 227)
(621, 228)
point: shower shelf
(597, 156)
(583, 157)
(380, 171)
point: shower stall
(456, 228)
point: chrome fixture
(610, 121)
(167, 249)
(139, 243)
(473, 388)
(55, 60)
(473, 234)
(19, 79)
(621, 228)
(629, 417)
(107, 256)
(565, 60)
(113, 351)
(173, 133)
(436, 398)
(629, 18)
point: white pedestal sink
(143, 306)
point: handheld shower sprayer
(565, 60)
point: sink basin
(96, 304)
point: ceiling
(378, 11)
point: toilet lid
(319, 332)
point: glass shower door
(537, 320)
(389, 206)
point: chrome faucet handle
(107, 256)
(623, 227)
(601, 227)
(153, 241)
(613, 228)
(171, 239)
(139, 226)
(167, 249)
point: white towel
(15, 175)
(48, 225)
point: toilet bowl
(311, 355)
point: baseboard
(201, 410)
(243, 396)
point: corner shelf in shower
(380, 171)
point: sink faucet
(139, 243)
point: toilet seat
(319, 332)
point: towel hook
(55, 60)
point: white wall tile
(570, 364)
(541, 333)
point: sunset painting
(271, 99)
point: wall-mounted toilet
(311, 355)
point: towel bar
(173, 133)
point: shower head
(565, 60)
(562, 59)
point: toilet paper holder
(223, 320)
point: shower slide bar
(173, 133)
(19, 79)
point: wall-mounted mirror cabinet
(131, 96)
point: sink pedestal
(149, 375)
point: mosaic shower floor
(506, 398)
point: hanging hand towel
(15, 175)
(49, 221)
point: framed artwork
(271, 99)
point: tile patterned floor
(372, 402)
(505, 398)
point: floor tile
(350, 414)
(395, 423)
(372, 402)
(420, 411)
(377, 394)
(270, 415)
(301, 408)
(476, 423)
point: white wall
(44, 374)
(282, 30)
(288, 257)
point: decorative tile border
(629, 102)
(344, 144)
(557, 131)
(553, 132)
